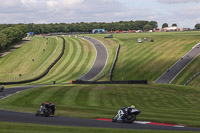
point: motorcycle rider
(50, 105)
(2, 88)
(53, 107)
(124, 112)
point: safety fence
(111, 82)
(102, 76)
(193, 77)
(114, 62)
(43, 74)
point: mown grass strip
(158, 103)
(76, 61)
(149, 60)
(27, 128)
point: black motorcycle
(46, 110)
(126, 115)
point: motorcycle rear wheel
(48, 113)
(130, 118)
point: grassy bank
(33, 128)
(147, 61)
(160, 103)
(77, 60)
(111, 46)
(28, 60)
(188, 72)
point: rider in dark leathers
(50, 105)
(126, 111)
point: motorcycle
(128, 115)
(45, 110)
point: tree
(13, 34)
(197, 26)
(154, 24)
(174, 24)
(2, 41)
(148, 27)
(164, 25)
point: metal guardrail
(111, 82)
(193, 77)
(114, 62)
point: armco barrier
(193, 77)
(42, 75)
(111, 82)
(113, 65)
(102, 76)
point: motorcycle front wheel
(114, 119)
(37, 113)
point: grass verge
(5, 127)
(159, 103)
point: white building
(173, 28)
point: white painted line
(175, 64)
(106, 59)
(93, 62)
(96, 59)
(183, 69)
(141, 122)
(9, 95)
(178, 126)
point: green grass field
(20, 61)
(188, 72)
(111, 46)
(159, 103)
(147, 61)
(33, 128)
(76, 61)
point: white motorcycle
(126, 115)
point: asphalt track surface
(174, 70)
(10, 91)
(100, 61)
(10, 116)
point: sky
(185, 13)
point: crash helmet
(51, 103)
(132, 106)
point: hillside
(160, 103)
(77, 60)
(29, 60)
(148, 60)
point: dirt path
(13, 48)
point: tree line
(11, 33)
(88, 27)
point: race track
(9, 116)
(98, 66)
(173, 71)
(100, 61)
